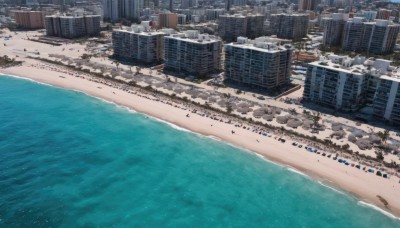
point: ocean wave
(28, 79)
(171, 124)
(297, 171)
(332, 188)
(364, 204)
(214, 138)
(265, 159)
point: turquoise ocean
(71, 160)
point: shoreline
(304, 163)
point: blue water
(69, 160)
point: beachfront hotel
(139, 43)
(345, 83)
(337, 82)
(386, 103)
(72, 27)
(193, 53)
(258, 63)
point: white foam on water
(364, 204)
(171, 124)
(297, 171)
(332, 188)
(28, 79)
(214, 138)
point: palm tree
(116, 63)
(138, 69)
(229, 108)
(384, 136)
(316, 118)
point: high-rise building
(228, 5)
(378, 37)
(336, 82)
(29, 19)
(232, 26)
(182, 19)
(138, 43)
(333, 29)
(345, 84)
(186, 4)
(289, 26)
(151, 4)
(119, 9)
(255, 26)
(167, 20)
(383, 14)
(213, 14)
(258, 63)
(305, 5)
(132, 9)
(72, 27)
(113, 9)
(192, 53)
(386, 103)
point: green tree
(229, 109)
(138, 69)
(379, 155)
(384, 136)
(315, 119)
(116, 64)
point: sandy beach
(364, 185)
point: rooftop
(262, 44)
(359, 65)
(194, 36)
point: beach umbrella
(212, 99)
(178, 90)
(203, 96)
(268, 117)
(244, 110)
(222, 103)
(294, 123)
(257, 114)
(282, 119)
(243, 105)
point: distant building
(167, 20)
(383, 14)
(369, 15)
(192, 53)
(305, 5)
(138, 43)
(123, 9)
(29, 19)
(289, 26)
(72, 27)
(182, 19)
(213, 14)
(333, 29)
(258, 63)
(232, 26)
(377, 37)
(113, 9)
